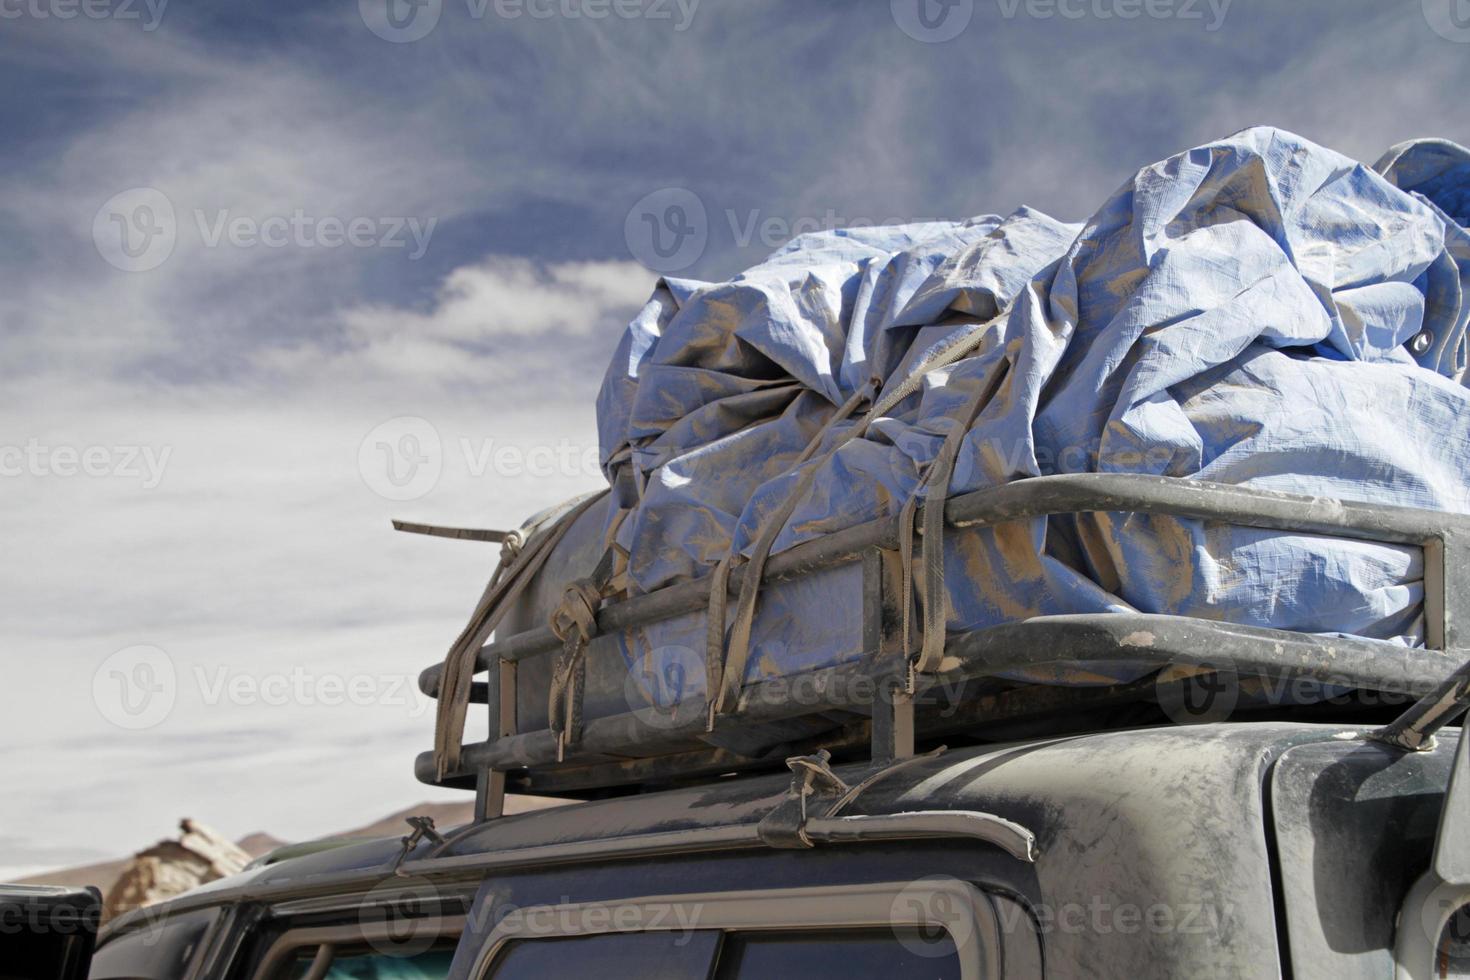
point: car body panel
(1355, 826)
(1155, 847)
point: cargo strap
(935, 489)
(519, 563)
(725, 667)
(726, 670)
(817, 791)
(574, 622)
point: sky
(273, 274)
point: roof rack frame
(1444, 538)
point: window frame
(280, 950)
(823, 907)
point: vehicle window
(376, 949)
(840, 954)
(158, 950)
(931, 929)
(366, 964)
(33, 953)
(612, 956)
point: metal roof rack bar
(1160, 641)
(459, 533)
(1048, 495)
(1414, 729)
(1151, 641)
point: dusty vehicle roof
(1035, 783)
(1176, 817)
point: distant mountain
(259, 844)
(446, 815)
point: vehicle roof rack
(459, 533)
(1437, 673)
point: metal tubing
(1414, 729)
(1148, 641)
(1010, 837)
(1022, 500)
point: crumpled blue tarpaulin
(1244, 312)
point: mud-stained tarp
(1257, 311)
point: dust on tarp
(1258, 311)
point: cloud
(264, 550)
(503, 310)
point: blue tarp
(1245, 312)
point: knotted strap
(817, 791)
(811, 777)
(506, 585)
(574, 621)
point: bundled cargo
(873, 443)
